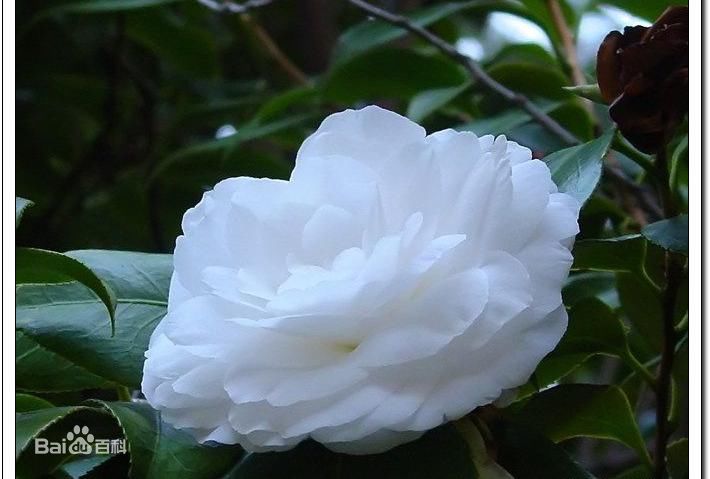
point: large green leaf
(61, 345)
(527, 454)
(43, 266)
(21, 205)
(577, 170)
(158, 450)
(427, 102)
(670, 234)
(621, 254)
(53, 425)
(504, 122)
(440, 453)
(373, 33)
(401, 74)
(584, 410)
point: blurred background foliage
(127, 110)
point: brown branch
(558, 19)
(473, 68)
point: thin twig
(472, 67)
(558, 19)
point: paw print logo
(80, 440)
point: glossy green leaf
(577, 170)
(84, 468)
(670, 234)
(593, 284)
(584, 410)
(429, 101)
(61, 345)
(21, 205)
(30, 424)
(158, 450)
(39, 266)
(28, 402)
(401, 74)
(527, 454)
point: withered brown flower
(643, 75)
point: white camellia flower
(397, 281)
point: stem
(623, 146)
(473, 68)
(124, 394)
(673, 273)
(569, 48)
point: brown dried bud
(643, 75)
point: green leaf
(427, 102)
(670, 234)
(180, 44)
(531, 79)
(527, 454)
(28, 402)
(59, 333)
(593, 284)
(505, 122)
(53, 425)
(593, 328)
(440, 453)
(39, 266)
(647, 9)
(584, 410)
(85, 467)
(29, 424)
(373, 33)
(21, 205)
(577, 170)
(248, 132)
(641, 304)
(621, 254)
(158, 450)
(401, 74)
(107, 6)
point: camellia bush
(310, 239)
